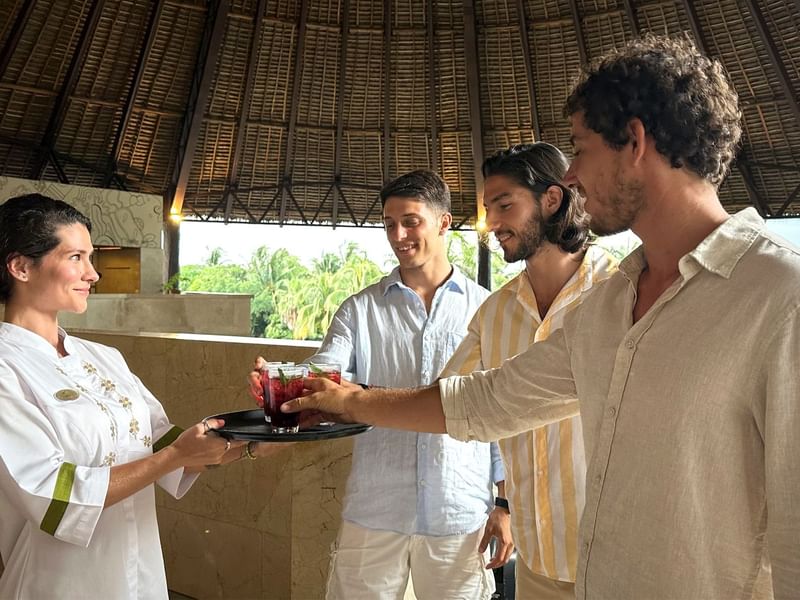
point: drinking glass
(281, 384)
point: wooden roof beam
(127, 110)
(387, 100)
(294, 101)
(528, 58)
(789, 200)
(775, 59)
(61, 103)
(232, 186)
(476, 130)
(337, 153)
(576, 19)
(431, 52)
(23, 16)
(198, 99)
(749, 184)
(630, 10)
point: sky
(238, 240)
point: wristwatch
(502, 503)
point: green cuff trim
(61, 494)
(167, 438)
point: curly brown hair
(684, 100)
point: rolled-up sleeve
(530, 390)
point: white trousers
(372, 564)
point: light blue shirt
(410, 483)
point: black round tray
(250, 425)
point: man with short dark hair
(418, 505)
(535, 219)
(684, 361)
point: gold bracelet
(248, 452)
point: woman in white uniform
(81, 439)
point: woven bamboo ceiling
(298, 110)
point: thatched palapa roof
(299, 110)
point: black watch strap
(502, 503)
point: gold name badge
(66, 395)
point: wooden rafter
(286, 191)
(127, 109)
(61, 103)
(15, 35)
(528, 58)
(244, 111)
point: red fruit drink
(328, 371)
(282, 384)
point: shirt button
(630, 345)
(540, 472)
(598, 479)
(586, 547)
(423, 446)
(422, 482)
(612, 411)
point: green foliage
(289, 299)
(292, 301)
(463, 252)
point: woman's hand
(198, 446)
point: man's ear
(637, 138)
(550, 201)
(445, 222)
(19, 267)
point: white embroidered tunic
(63, 423)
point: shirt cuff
(177, 483)
(451, 390)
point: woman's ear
(19, 267)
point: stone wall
(220, 314)
(258, 529)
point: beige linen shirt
(691, 420)
(545, 468)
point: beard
(621, 209)
(530, 240)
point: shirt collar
(581, 280)
(25, 337)
(718, 253)
(457, 281)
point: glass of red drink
(283, 383)
(327, 370)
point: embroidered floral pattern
(110, 459)
(89, 368)
(110, 388)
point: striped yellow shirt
(545, 469)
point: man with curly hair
(684, 361)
